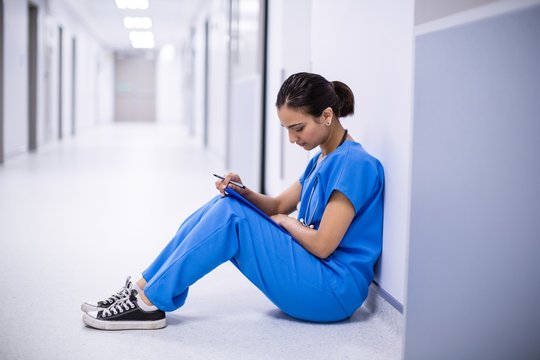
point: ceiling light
(137, 22)
(167, 53)
(132, 4)
(142, 39)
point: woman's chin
(306, 147)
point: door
(135, 79)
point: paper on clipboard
(232, 193)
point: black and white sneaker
(127, 314)
(104, 304)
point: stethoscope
(308, 206)
(309, 219)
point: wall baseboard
(386, 306)
(14, 153)
(386, 296)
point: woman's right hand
(221, 185)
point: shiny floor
(79, 216)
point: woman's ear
(327, 116)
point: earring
(328, 123)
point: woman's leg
(180, 235)
(227, 230)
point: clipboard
(232, 193)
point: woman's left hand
(280, 218)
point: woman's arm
(336, 219)
(284, 203)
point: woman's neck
(335, 139)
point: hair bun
(346, 98)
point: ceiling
(171, 20)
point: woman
(320, 270)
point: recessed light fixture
(167, 53)
(132, 4)
(142, 39)
(137, 22)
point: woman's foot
(129, 313)
(104, 304)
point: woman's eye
(299, 129)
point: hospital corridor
(115, 114)
(119, 193)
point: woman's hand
(288, 222)
(221, 185)
(280, 219)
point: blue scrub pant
(225, 229)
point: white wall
(372, 51)
(15, 77)
(187, 73)
(105, 85)
(218, 85)
(95, 71)
(67, 80)
(273, 71)
(245, 138)
(94, 74)
(217, 14)
(46, 77)
(169, 86)
(245, 95)
(369, 46)
(289, 51)
(198, 74)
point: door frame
(60, 80)
(73, 85)
(1, 81)
(32, 76)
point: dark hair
(312, 93)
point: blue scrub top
(360, 177)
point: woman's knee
(226, 206)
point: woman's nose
(292, 138)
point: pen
(232, 182)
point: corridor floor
(80, 215)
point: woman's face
(305, 130)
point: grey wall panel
(429, 10)
(473, 285)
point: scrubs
(300, 284)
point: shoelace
(122, 293)
(120, 306)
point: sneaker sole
(85, 307)
(123, 325)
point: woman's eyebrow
(293, 125)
